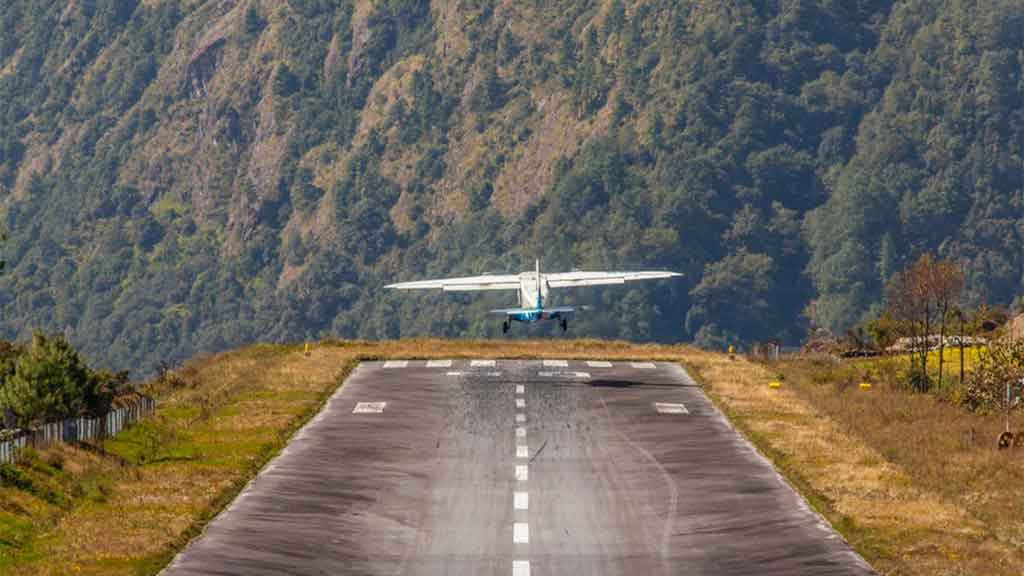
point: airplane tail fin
(540, 291)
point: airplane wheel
(565, 325)
(504, 327)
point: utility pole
(1020, 159)
(960, 317)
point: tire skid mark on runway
(670, 518)
(430, 493)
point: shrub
(103, 387)
(916, 380)
(1002, 363)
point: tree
(946, 284)
(254, 22)
(920, 297)
(50, 382)
(286, 82)
(906, 300)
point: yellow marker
(306, 352)
(775, 384)
(732, 349)
(865, 386)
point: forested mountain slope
(185, 175)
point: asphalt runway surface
(518, 467)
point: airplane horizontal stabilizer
(517, 311)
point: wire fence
(74, 429)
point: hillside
(186, 175)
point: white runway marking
(494, 374)
(396, 363)
(482, 363)
(520, 389)
(522, 451)
(520, 418)
(522, 472)
(521, 500)
(642, 365)
(456, 373)
(520, 432)
(520, 568)
(369, 407)
(584, 375)
(598, 364)
(666, 408)
(556, 364)
(520, 403)
(520, 533)
(439, 363)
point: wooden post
(961, 315)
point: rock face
(202, 67)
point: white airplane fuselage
(533, 290)
(533, 296)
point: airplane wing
(569, 279)
(464, 284)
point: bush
(50, 381)
(1002, 363)
(917, 380)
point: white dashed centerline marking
(520, 568)
(521, 500)
(522, 472)
(555, 364)
(396, 363)
(520, 389)
(439, 363)
(520, 418)
(522, 451)
(598, 364)
(520, 403)
(520, 533)
(520, 432)
(643, 365)
(482, 363)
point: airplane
(533, 288)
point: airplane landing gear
(504, 327)
(565, 324)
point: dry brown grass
(230, 413)
(961, 492)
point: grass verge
(128, 507)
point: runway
(518, 467)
